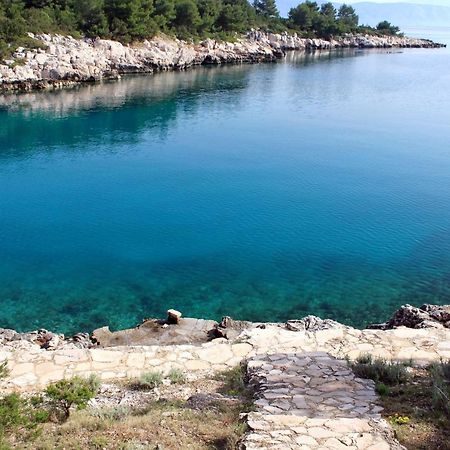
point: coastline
(299, 374)
(177, 330)
(201, 346)
(67, 61)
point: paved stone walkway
(33, 368)
(307, 398)
(313, 401)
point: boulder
(173, 316)
(427, 316)
(312, 323)
(228, 328)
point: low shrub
(382, 389)
(234, 382)
(440, 370)
(115, 413)
(4, 371)
(99, 442)
(76, 392)
(176, 376)
(21, 416)
(149, 380)
(380, 370)
(440, 391)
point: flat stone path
(33, 368)
(313, 401)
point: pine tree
(347, 18)
(266, 8)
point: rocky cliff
(66, 60)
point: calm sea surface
(318, 185)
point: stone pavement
(313, 401)
(32, 367)
(307, 398)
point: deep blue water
(318, 185)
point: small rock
(173, 316)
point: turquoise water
(318, 185)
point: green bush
(21, 416)
(380, 370)
(382, 389)
(234, 382)
(149, 380)
(76, 392)
(440, 375)
(386, 27)
(176, 376)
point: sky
(420, 2)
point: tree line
(133, 20)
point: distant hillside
(404, 15)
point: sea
(319, 184)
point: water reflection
(112, 111)
(314, 185)
(129, 106)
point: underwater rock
(427, 316)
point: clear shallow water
(319, 185)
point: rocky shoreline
(199, 346)
(175, 330)
(64, 61)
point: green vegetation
(234, 382)
(440, 374)
(134, 20)
(416, 400)
(380, 371)
(382, 389)
(386, 27)
(4, 371)
(34, 422)
(419, 410)
(148, 380)
(77, 392)
(21, 416)
(176, 376)
(325, 21)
